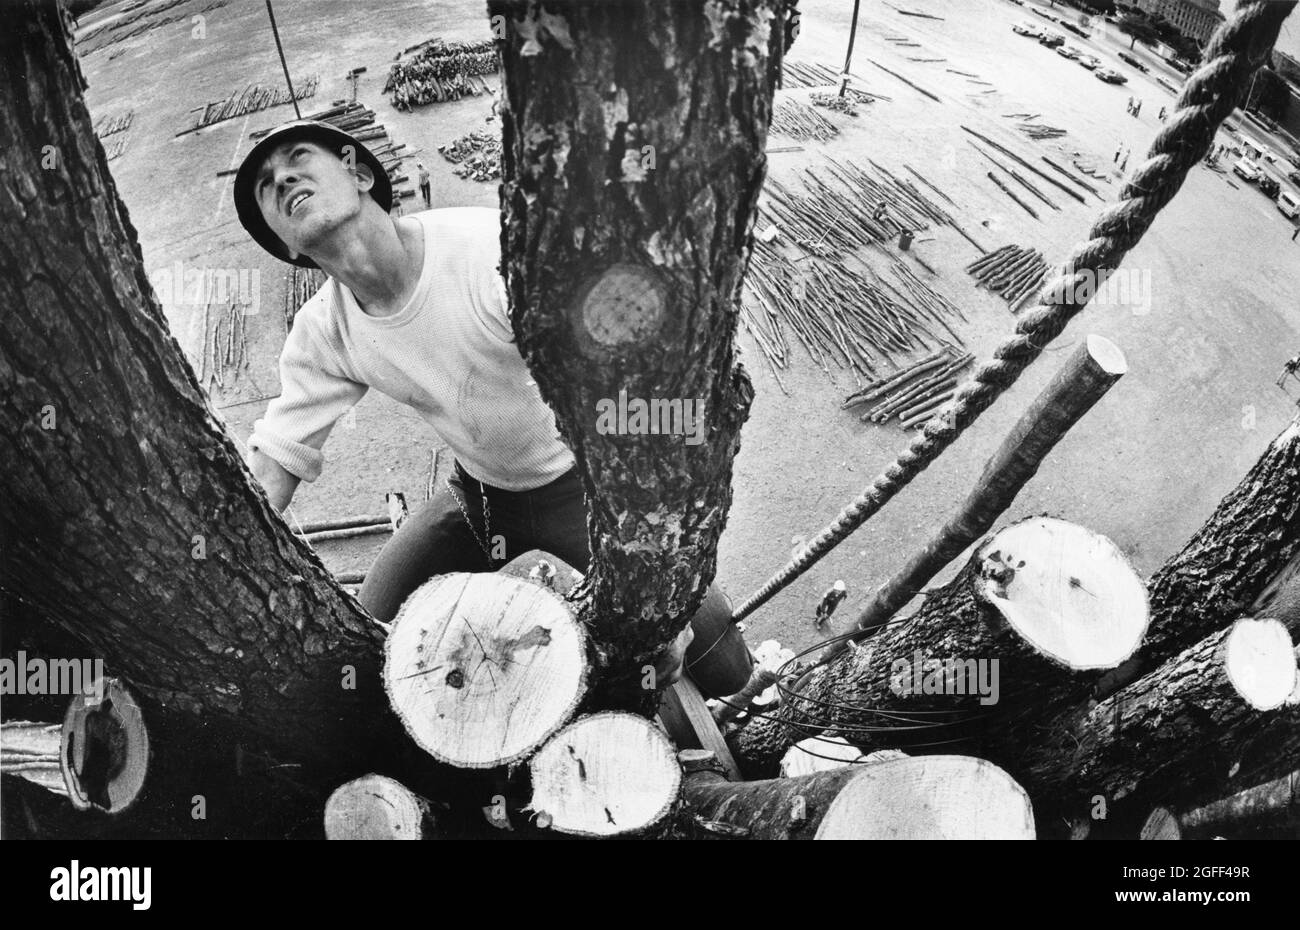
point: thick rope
(1234, 53)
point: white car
(1091, 62)
(1289, 204)
(1066, 52)
(1026, 29)
(1246, 169)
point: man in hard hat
(415, 307)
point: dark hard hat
(332, 138)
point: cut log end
(1161, 825)
(603, 775)
(104, 748)
(1069, 592)
(483, 668)
(1106, 355)
(930, 798)
(375, 807)
(818, 754)
(1260, 661)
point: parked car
(1289, 204)
(1294, 177)
(1066, 52)
(1077, 30)
(1268, 186)
(1135, 62)
(1091, 62)
(1246, 169)
(1109, 76)
(1182, 67)
(1026, 29)
(1051, 39)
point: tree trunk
(131, 523)
(1044, 599)
(1185, 733)
(633, 140)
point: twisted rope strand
(1234, 53)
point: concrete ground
(1145, 467)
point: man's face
(305, 192)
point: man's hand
(668, 668)
(278, 482)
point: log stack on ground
(1015, 272)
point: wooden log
(31, 751)
(104, 748)
(1260, 807)
(483, 668)
(1010, 193)
(603, 775)
(375, 807)
(924, 410)
(1085, 376)
(930, 798)
(1075, 604)
(1246, 546)
(1046, 177)
(1211, 718)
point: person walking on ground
(1290, 369)
(1295, 232)
(424, 185)
(1162, 114)
(1137, 109)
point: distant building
(1196, 19)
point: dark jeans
(436, 539)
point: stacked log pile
(799, 121)
(476, 156)
(913, 391)
(251, 99)
(441, 71)
(1140, 697)
(1015, 272)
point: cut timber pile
(915, 389)
(108, 125)
(441, 71)
(837, 103)
(476, 156)
(251, 99)
(359, 121)
(1013, 271)
(1040, 131)
(807, 74)
(799, 121)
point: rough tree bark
(632, 163)
(1239, 556)
(131, 524)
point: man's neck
(379, 259)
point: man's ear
(365, 177)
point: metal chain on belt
(486, 518)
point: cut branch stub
(619, 310)
(375, 807)
(930, 798)
(603, 775)
(482, 668)
(1259, 659)
(104, 748)
(1093, 619)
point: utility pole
(293, 98)
(848, 58)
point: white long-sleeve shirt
(448, 354)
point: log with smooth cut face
(1069, 592)
(1260, 661)
(482, 668)
(603, 775)
(375, 807)
(930, 798)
